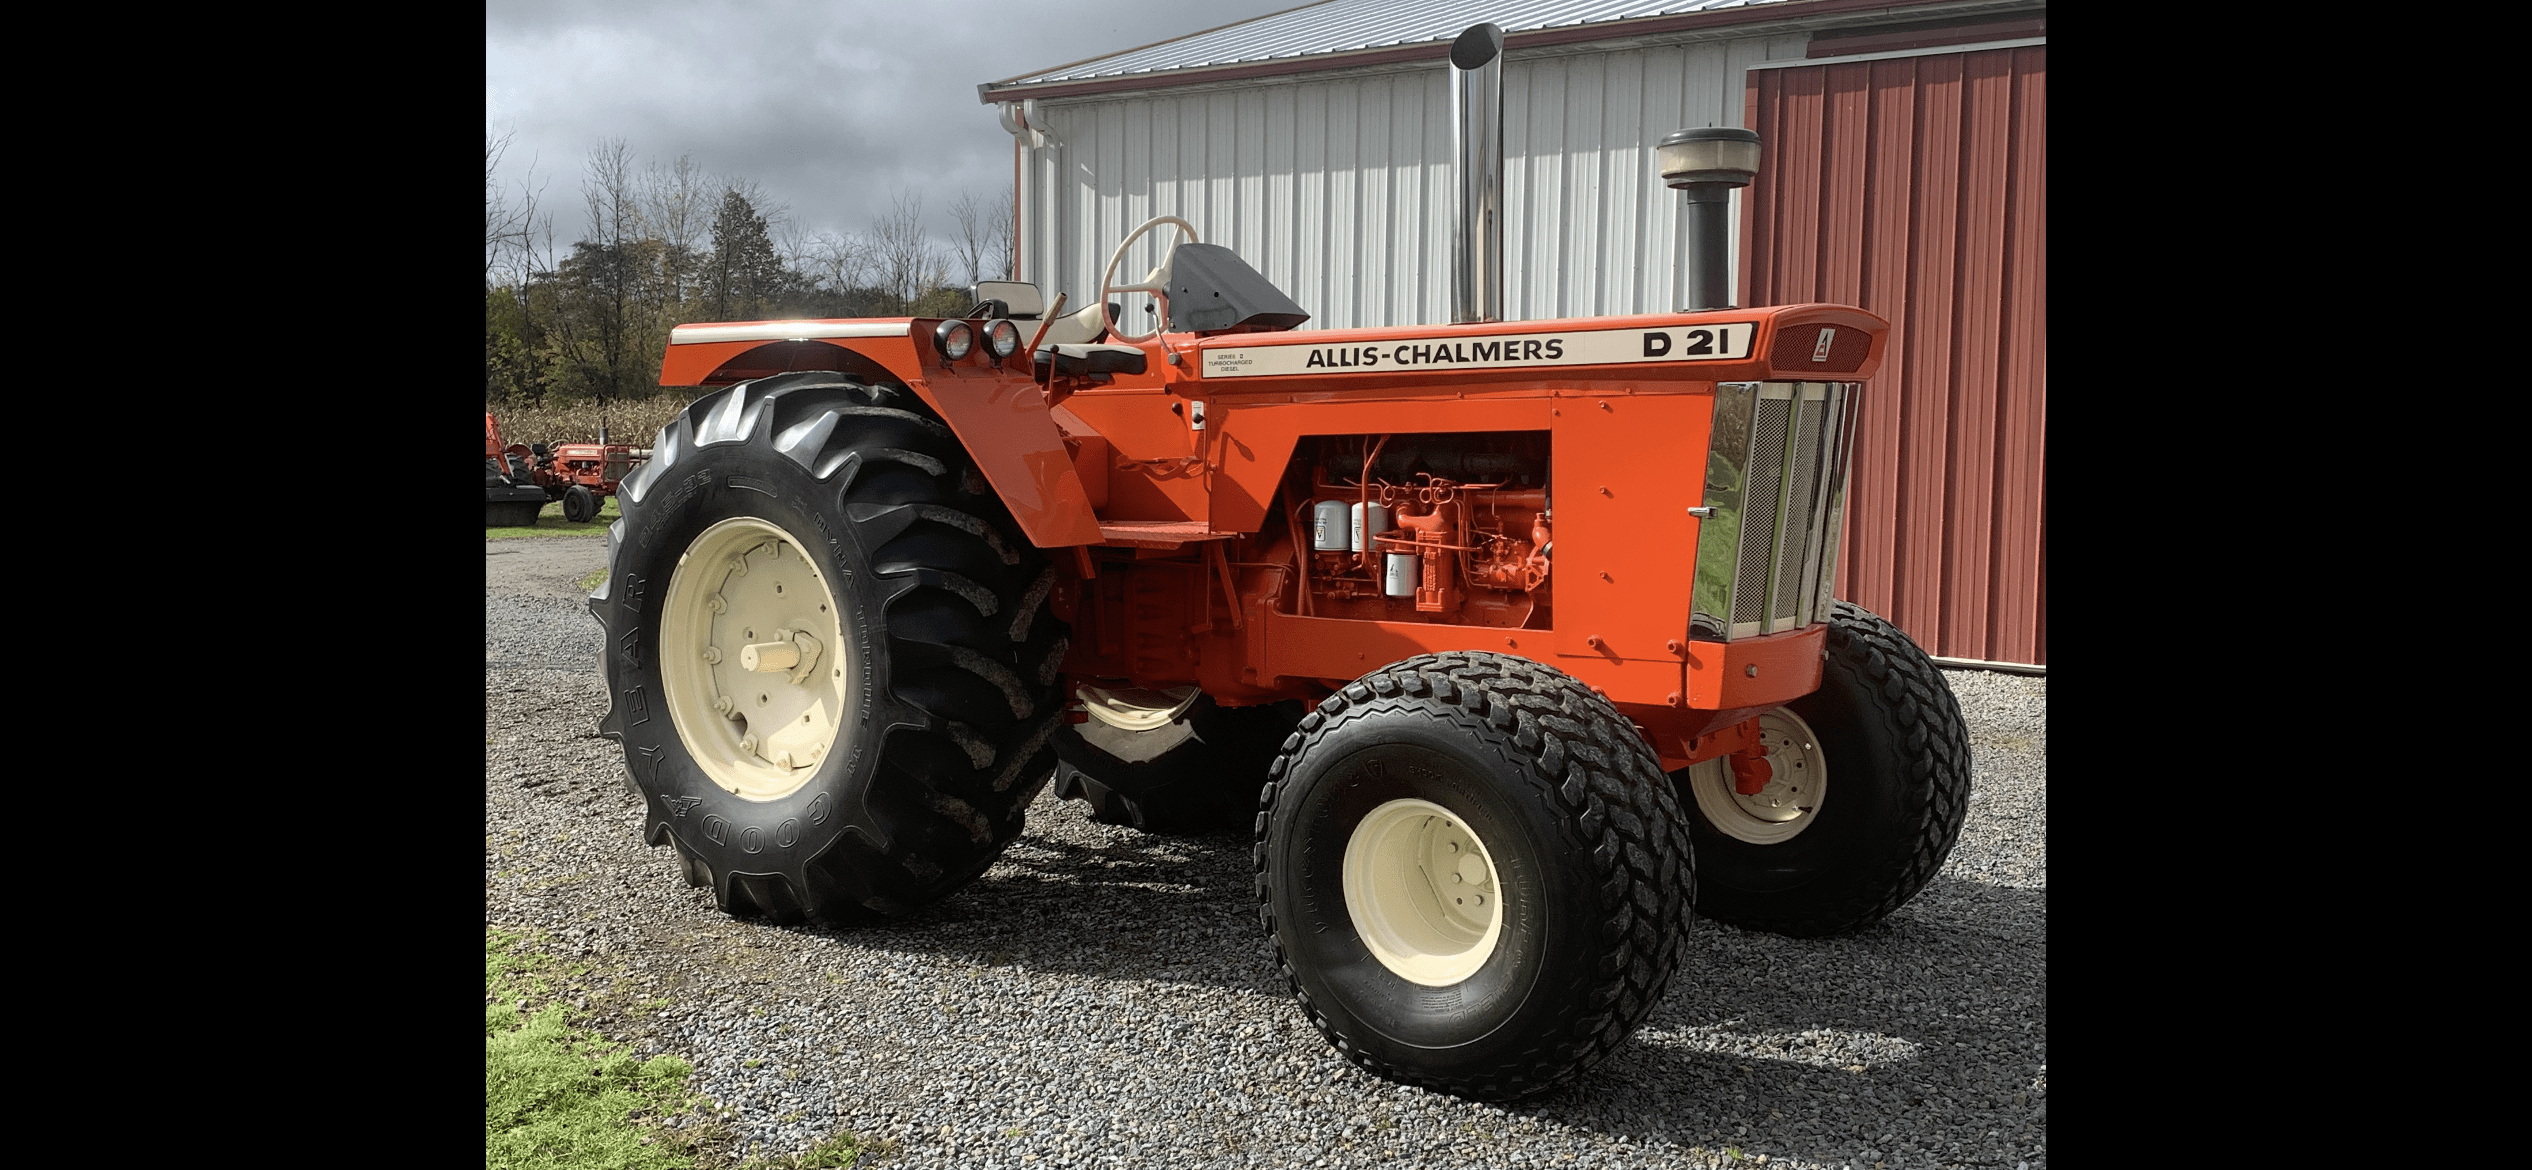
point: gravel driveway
(1105, 998)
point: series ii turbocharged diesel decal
(1580, 347)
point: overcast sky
(828, 104)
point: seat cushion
(1093, 359)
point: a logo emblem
(1820, 352)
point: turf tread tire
(1874, 673)
(1578, 756)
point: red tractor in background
(582, 474)
(1507, 643)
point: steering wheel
(1155, 283)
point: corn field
(632, 421)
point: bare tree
(678, 201)
(1001, 241)
(505, 224)
(838, 261)
(612, 271)
(904, 259)
(973, 234)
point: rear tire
(910, 636)
(1196, 771)
(1884, 752)
(1408, 796)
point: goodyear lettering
(716, 830)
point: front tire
(828, 650)
(1474, 874)
(1869, 786)
(579, 506)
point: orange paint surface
(1184, 507)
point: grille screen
(1797, 540)
(1775, 478)
(1764, 484)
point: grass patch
(550, 522)
(558, 1096)
(591, 581)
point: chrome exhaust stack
(1477, 137)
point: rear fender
(996, 410)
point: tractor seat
(1091, 359)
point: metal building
(1903, 172)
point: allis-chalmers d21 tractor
(1510, 642)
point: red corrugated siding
(1916, 188)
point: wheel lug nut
(747, 743)
(712, 654)
(723, 705)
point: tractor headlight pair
(956, 339)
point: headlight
(1002, 339)
(953, 339)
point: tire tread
(1587, 760)
(949, 781)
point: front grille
(1776, 480)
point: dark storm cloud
(829, 106)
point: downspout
(1022, 121)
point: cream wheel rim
(1422, 891)
(752, 658)
(1797, 784)
(1136, 709)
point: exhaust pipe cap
(1712, 154)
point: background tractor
(1507, 643)
(582, 475)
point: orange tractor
(582, 474)
(1510, 643)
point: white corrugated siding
(1339, 188)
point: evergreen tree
(746, 274)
